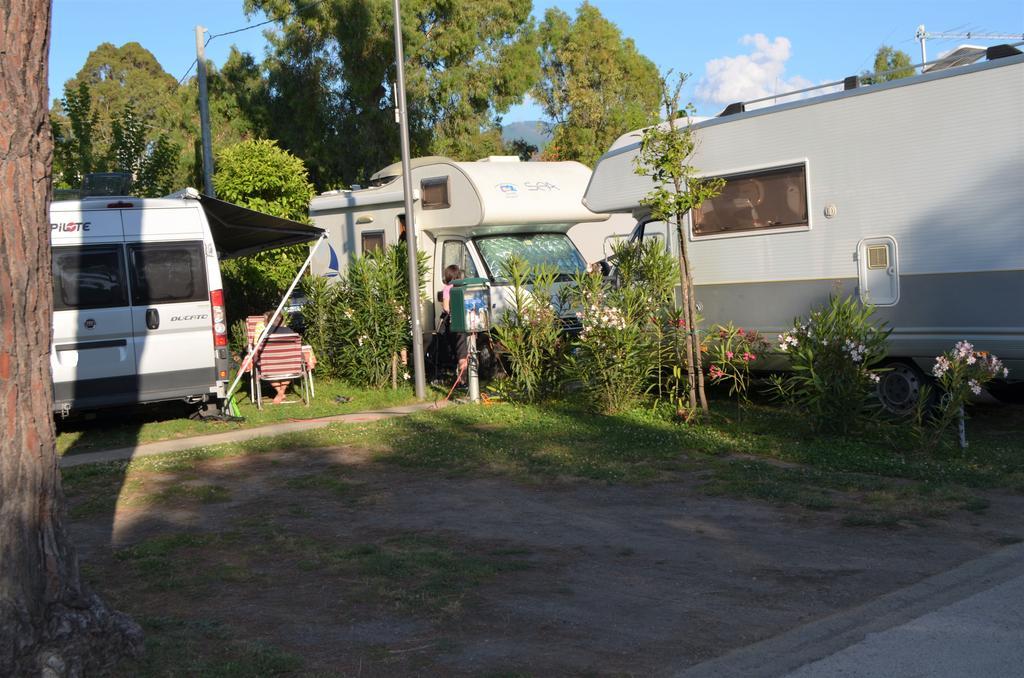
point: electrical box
(470, 304)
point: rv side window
(434, 193)
(88, 277)
(755, 201)
(372, 241)
(166, 273)
(456, 252)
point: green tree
(891, 63)
(165, 114)
(521, 147)
(594, 84)
(666, 152)
(73, 153)
(258, 174)
(330, 75)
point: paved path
(967, 621)
(148, 449)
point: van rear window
(88, 277)
(165, 273)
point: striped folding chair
(280, 358)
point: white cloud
(760, 73)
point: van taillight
(220, 323)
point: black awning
(238, 231)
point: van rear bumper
(135, 389)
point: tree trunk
(684, 282)
(50, 623)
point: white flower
(405, 375)
(975, 386)
(1006, 372)
(874, 377)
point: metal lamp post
(410, 219)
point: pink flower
(747, 357)
(728, 355)
(741, 332)
(716, 372)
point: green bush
(529, 335)
(359, 324)
(961, 373)
(261, 176)
(831, 355)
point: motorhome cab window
(554, 249)
(755, 201)
(372, 241)
(434, 193)
(456, 252)
(167, 273)
(88, 277)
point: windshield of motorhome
(554, 249)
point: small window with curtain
(372, 241)
(434, 193)
(755, 201)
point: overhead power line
(209, 38)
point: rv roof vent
(852, 82)
(733, 109)
(500, 158)
(1001, 52)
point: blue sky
(734, 50)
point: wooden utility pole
(204, 113)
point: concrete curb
(164, 446)
(782, 654)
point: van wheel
(899, 387)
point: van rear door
(93, 355)
(170, 297)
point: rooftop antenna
(922, 36)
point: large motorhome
(905, 193)
(472, 214)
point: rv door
(448, 251)
(878, 271)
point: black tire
(899, 387)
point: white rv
(906, 193)
(139, 313)
(472, 214)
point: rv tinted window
(554, 249)
(456, 252)
(88, 277)
(373, 241)
(755, 201)
(167, 273)
(434, 193)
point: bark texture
(50, 624)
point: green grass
(108, 429)
(768, 455)
(188, 647)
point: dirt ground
(567, 577)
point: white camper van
(138, 303)
(472, 214)
(906, 193)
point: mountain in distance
(532, 132)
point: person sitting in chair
(280, 387)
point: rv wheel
(899, 387)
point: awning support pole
(277, 314)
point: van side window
(88, 277)
(165, 273)
(755, 201)
(456, 252)
(434, 193)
